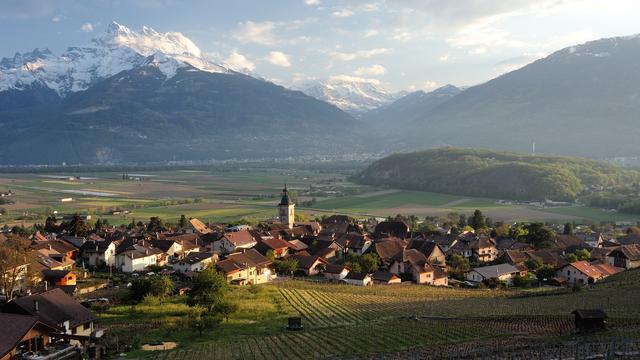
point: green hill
(485, 173)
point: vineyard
(398, 322)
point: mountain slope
(583, 100)
(409, 108)
(167, 103)
(494, 174)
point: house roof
(275, 243)
(306, 261)
(587, 269)
(163, 245)
(515, 256)
(630, 252)
(53, 275)
(196, 257)
(297, 245)
(392, 228)
(19, 326)
(570, 243)
(334, 268)
(285, 200)
(607, 269)
(424, 246)
(239, 261)
(240, 238)
(356, 276)
(493, 271)
(390, 248)
(139, 251)
(384, 276)
(54, 308)
(549, 257)
(324, 252)
(94, 246)
(200, 226)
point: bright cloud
(312, 2)
(256, 32)
(343, 13)
(87, 27)
(239, 62)
(362, 54)
(371, 70)
(279, 59)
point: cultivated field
(344, 320)
(248, 194)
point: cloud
(88, 27)
(239, 62)
(256, 32)
(444, 58)
(350, 78)
(371, 33)
(517, 62)
(343, 13)
(312, 2)
(57, 18)
(26, 9)
(361, 54)
(371, 70)
(279, 59)
(426, 86)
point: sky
(398, 44)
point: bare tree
(15, 258)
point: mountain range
(144, 96)
(151, 97)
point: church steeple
(286, 209)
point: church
(286, 209)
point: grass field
(223, 196)
(343, 320)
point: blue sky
(403, 44)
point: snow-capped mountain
(116, 50)
(352, 94)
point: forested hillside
(494, 174)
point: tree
(572, 258)
(369, 262)
(98, 225)
(285, 266)
(50, 224)
(208, 288)
(539, 235)
(568, 229)
(533, 263)
(477, 220)
(76, 226)
(458, 266)
(15, 258)
(545, 272)
(353, 266)
(583, 255)
(160, 286)
(182, 222)
(200, 319)
(462, 221)
(225, 308)
(155, 224)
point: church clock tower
(286, 211)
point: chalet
(138, 258)
(445, 241)
(98, 253)
(358, 279)
(432, 251)
(335, 272)
(56, 309)
(484, 249)
(582, 272)
(389, 249)
(196, 261)
(249, 267)
(422, 272)
(234, 241)
(25, 333)
(170, 247)
(625, 256)
(278, 246)
(385, 278)
(502, 272)
(308, 264)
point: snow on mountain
(352, 94)
(118, 49)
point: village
(50, 279)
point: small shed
(294, 323)
(587, 320)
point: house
(398, 229)
(354, 243)
(514, 257)
(234, 241)
(445, 241)
(335, 271)
(359, 279)
(249, 267)
(308, 264)
(200, 227)
(25, 333)
(59, 277)
(432, 251)
(502, 272)
(416, 264)
(389, 249)
(138, 257)
(484, 249)
(582, 272)
(98, 253)
(196, 261)
(625, 256)
(56, 309)
(278, 246)
(386, 278)
(170, 247)
(570, 244)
